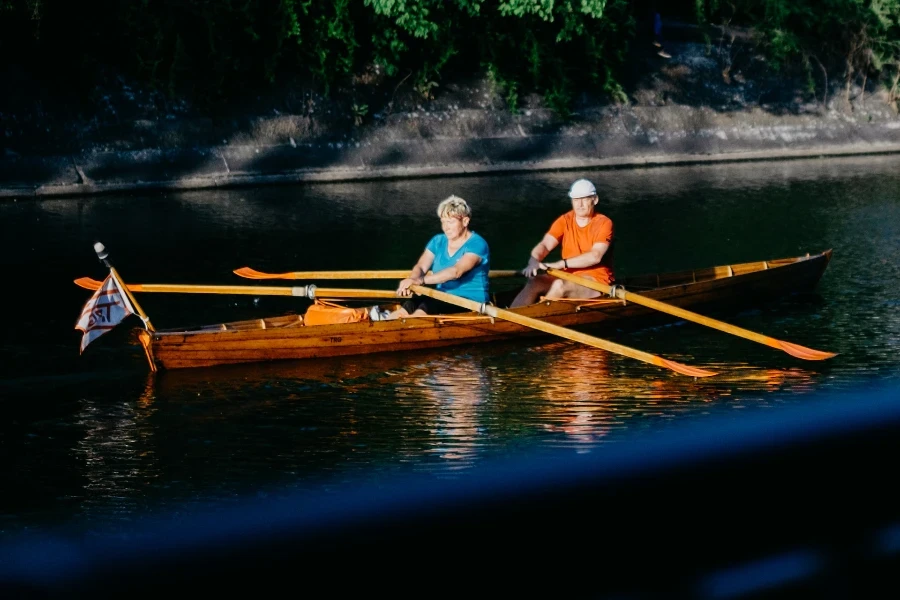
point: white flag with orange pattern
(106, 309)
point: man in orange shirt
(586, 237)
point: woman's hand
(403, 288)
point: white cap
(582, 188)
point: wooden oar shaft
(563, 332)
(352, 293)
(305, 291)
(134, 303)
(320, 275)
(249, 273)
(793, 349)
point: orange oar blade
(685, 369)
(88, 283)
(794, 350)
(804, 352)
(92, 284)
(254, 274)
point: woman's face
(454, 227)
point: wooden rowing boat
(287, 337)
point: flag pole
(103, 255)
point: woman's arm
(469, 261)
(417, 274)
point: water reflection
(588, 394)
(454, 394)
(577, 393)
(117, 453)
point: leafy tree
(857, 38)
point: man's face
(584, 207)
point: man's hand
(534, 265)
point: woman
(459, 260)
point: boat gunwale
(544, 309)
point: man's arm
(544, 247)
(538, 253)
(582, 261)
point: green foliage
(359, 112)
(334, 42)
(430, 71)
(504, 87)
(207, 50)
(573, 16)
(409, 16)
(856, 37)
(389, 50)
(614, 89)
(559, 98)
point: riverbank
(682, 111)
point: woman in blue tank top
(459, 261)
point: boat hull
(287, 338)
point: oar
(569, 334)
(791, 348)
(305, 291)
(249, 273)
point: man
(586, 237)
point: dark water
(95, 441)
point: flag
(107, 308)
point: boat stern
(146, 340)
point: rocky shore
(685, 110)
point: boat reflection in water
(309, 423)
(454, 404)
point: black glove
(534, 265)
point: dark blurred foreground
(806, 508)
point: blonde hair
(453, 206)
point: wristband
(566, 264)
